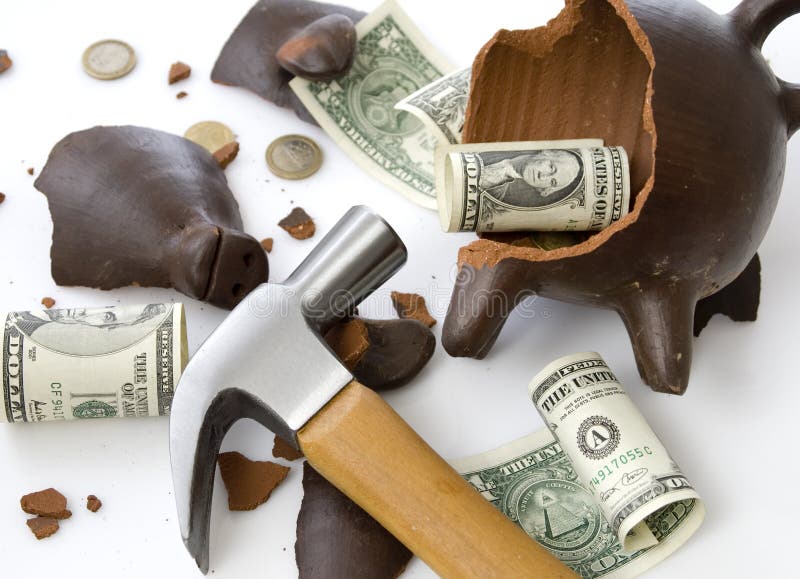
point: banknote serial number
(618, 462)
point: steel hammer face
(267, 361)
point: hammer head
(267, 361)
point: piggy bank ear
(322, 51)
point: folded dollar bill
(393, 60)
(556, 485)
(117, 361)
(441, 105)
(576, 185)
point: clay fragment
(323, 50)
(43, 527)
(298, 224)
(136, 206)
(181, 95)
(249, 483)
(2, 197)
(349, 341)
(5, 61)
(248, 59)
(46, 503)
(179, 71)
(337, 539)
(30, 171)
(282, 449)
(267, 243)
(412, 306)
(382, 354)
(48, 302)
(226, 154)
(93, 503)
(739, 300)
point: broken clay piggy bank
(688, 94)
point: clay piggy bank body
(705, 121)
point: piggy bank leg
(481, 303)
(660, 320)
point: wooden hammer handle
(366, 450)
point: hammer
(267, 361)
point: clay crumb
(46, 503)
(266, 243)
(179, 71)
(93, 503)
(412, 307)
(31, 171)
(298, 224)
(249, 483)
(2, 197)
(181, 95)
(5, 61)
(226, 154)
(48, 302)
(282, 449)
(349, 341)
(43, 527)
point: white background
(734, 432)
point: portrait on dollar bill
(531, 178)
(113, 327)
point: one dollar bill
(92, 362)
(615, 453)
(393, 60)
(532, 186)
(533, 482)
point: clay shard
(739, 301)
(226, 154)
(412, 306)
(249, 60)
(690, 231)
(383, 354)
(298, 224)
(249, 483)
(282, 449)
(349, 341)
(136, 206)
(46, 503)
(323, 50)
(43, 527)
(336, 539)
(267, 244)
(93, 503)
(5, 61)
(179, 71)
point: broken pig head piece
(279, 39)
(136, 206)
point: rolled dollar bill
(117, 361)
(441, 105)
(613, 450)
(531, 186)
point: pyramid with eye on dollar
(558, 519)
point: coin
(109, 59)
(294, 157)
(211, 135)
(551, 240)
